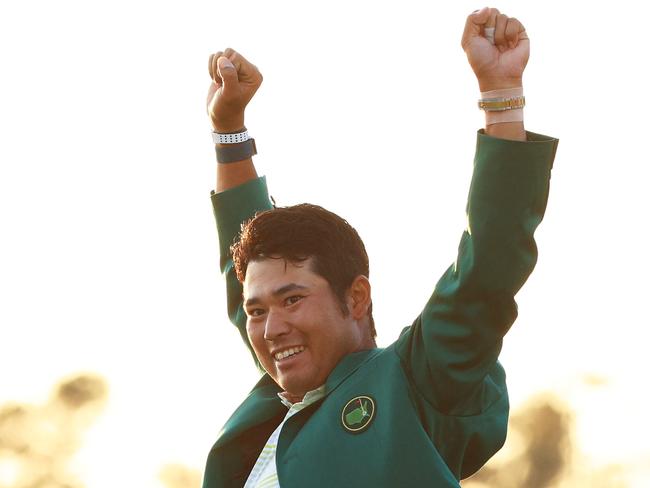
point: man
(332, 409)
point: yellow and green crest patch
(358, 413)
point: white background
(108, 254)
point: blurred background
(118, 366)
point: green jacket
(439, 393)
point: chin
(296, 386)
(293, 387)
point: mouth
(288, 353)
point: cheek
(329, 334)
(255, 335)
(256, 338)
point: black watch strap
(230, 153)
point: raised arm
(497, 48)
(234, 82)
(239, 193)
(451, 350)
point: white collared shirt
(264, 474)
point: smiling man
(332, 409)
(306, 294)
(295, 324)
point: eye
(293, 299)
(255, 312)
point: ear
(359, 297)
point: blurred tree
(540, 453)
(37, 442)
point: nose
(276, 325)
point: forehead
(267, 275)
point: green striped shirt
(264, 474)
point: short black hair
(299, 232)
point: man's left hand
(499, 65)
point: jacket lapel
(233, 454)
(261, 405)
(348, 365)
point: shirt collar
(309, 398)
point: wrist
(513, 131)
(503, 105)
(504, 114)
(229, 138)
(229, 127)
(234, 147)
(488, 84)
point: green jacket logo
(358, 413)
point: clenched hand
(499, 65)
(234, 82)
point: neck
(291, 398)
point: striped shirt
(264, 474)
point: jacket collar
(263, 403)
(346, 366)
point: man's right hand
(234, 82)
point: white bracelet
(230, 138)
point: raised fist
(234, 82)
(497, 48)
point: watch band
(501, 104)
(231, 138)
(236, 152)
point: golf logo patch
(358, 413)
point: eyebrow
(276, 293)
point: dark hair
(305, 231)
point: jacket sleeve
(450, 352)
(232, 208)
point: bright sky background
(108, 250)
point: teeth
(289, 352)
